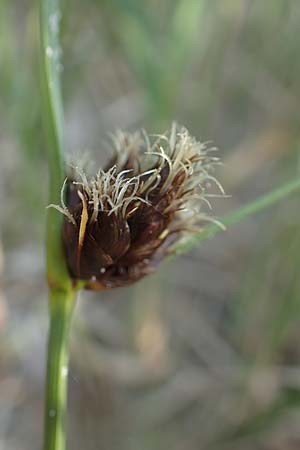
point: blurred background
(205, 353)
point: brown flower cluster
(120, 223)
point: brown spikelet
(120, 223)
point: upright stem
(62, 291)
(52, 113)
(61, 307)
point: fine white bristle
(172, 162)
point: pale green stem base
(61, 308)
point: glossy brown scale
(104, 243)
(113, 248)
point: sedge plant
(113, 228)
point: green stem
(260, 204)
(53, 120)
(62, 291)
(62, 304)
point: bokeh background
(205, 353)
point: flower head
(121, 222)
